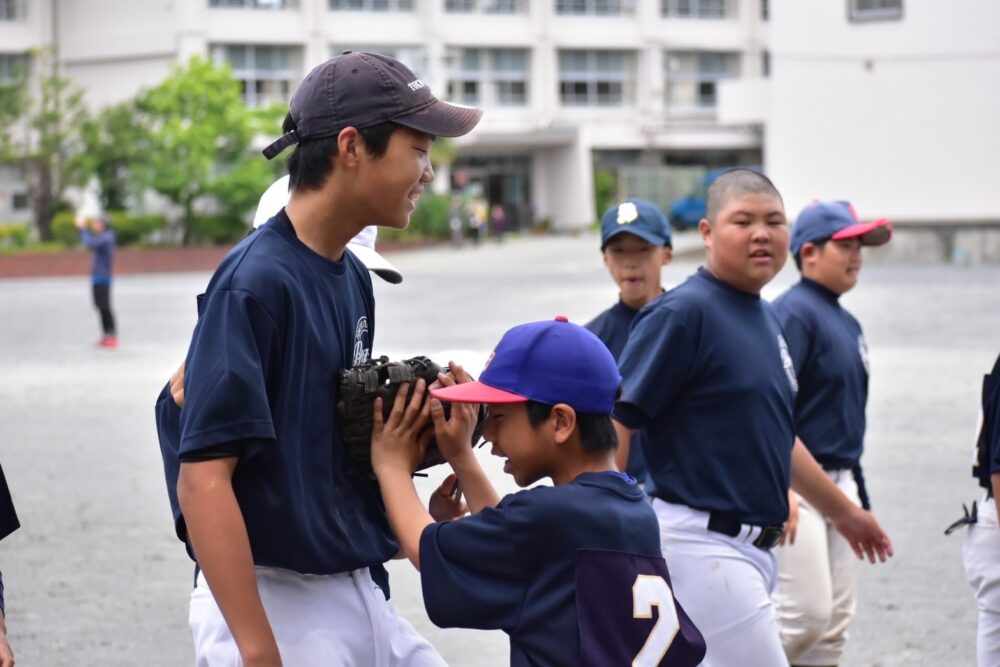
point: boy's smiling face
(526, 448)
(635, 265)
(392, 184)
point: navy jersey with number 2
(573, 573)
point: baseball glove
(380, 377)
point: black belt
(731, 527)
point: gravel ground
(95, 576)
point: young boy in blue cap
(571, 572)
(817, 571)
(636, 244)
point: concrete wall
(901, 117)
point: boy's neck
(638, 304)
(575, 466)
(322, 221)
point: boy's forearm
(476, 486)
(219, 538)
(811, 482)
(407, 515)
(995, 482)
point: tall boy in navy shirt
(570, 572)
(289, 537)
(635, 242)
(817, 573)
(707, 372)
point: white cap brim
(362, 245)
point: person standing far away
(817, 573)
(636, 245)
(96, 234)
(707, 372)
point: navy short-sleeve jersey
(515, 567)
(707, 372)
(612, 327)
(8, 521)
(278, 323)
(831, 361)
(988, 442)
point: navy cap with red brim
(874, 233)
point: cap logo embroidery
(416, 85)
(627, 213)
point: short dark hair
(597, 432)
(798, 256)
(738, 181)
(310, 163)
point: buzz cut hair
(737, 182)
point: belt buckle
(769, 537)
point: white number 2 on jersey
(650, 591)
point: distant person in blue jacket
(100, 238)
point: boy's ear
(349, 147)
(668, 255)
(563, 422)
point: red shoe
(110, 342)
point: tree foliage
(195, 143)
(40, 131)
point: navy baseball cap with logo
(551, 362)
(835, 220)
(360, 90)
(635, 216)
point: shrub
(129, 229)
(14, 235)
(218, 229)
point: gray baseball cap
(360, 90)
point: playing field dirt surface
(96, 577)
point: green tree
(605, 190)
(40, 132)
(112, 152)
(196, 137)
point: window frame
(857, 15)
(698, 77)
(489, 75)
(593, 75)
(401, 6)
(671, 9)
(255, 5)
(250, 75)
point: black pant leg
(102, 299)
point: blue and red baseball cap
(834, 220)
(551, 362)
(635, 216)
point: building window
(697, 9)
(596, 78)
(489, 77)
(254, 4)
(596, 7)
(13, 68)
(486, 6)
(12, 10)
(765, 10)
(372, 5)
(765, 64)
(266, 73)
(692, 77)
(875, 10)
(19, 201)
(414, 57)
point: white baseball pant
(340, 620)
(817, 583)
(981, 557)
(724, 584)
